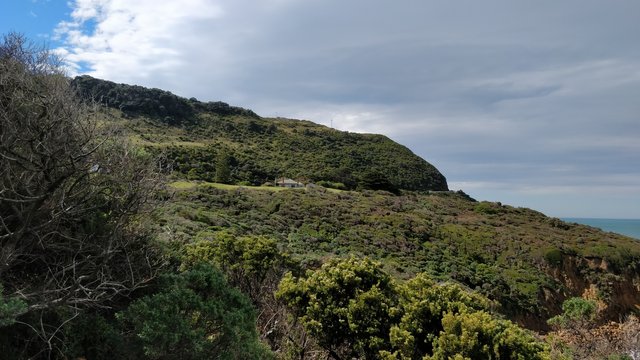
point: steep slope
(526, 261)
(194, 135)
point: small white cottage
(288, 183)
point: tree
(223, 170)
(70, 191)
(254, 265)
(196, 315)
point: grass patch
(183, 185)
(189, 185)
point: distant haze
(532, 103)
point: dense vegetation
(155, 103)
(259, 150)
(74, 246)
(511, 255)
(355, 309)
(115, 244)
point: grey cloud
(522, 94)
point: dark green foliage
(223, 167)
(377, 181)
(136, 100)
(10, 309)
(354, 160)
(554, 257)
(221, 108)
(500, 256)
(253, 264)
(153, 103)
(196, 315)
(92, 336)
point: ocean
(629, 227)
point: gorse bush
(345, 305)
(354, 309)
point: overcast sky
(532, 103)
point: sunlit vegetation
(355, 309)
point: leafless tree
(70, 191)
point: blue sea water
(629, 227)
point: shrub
(10, 309)
(478, 335)
(354, 309)
(576, 312)
(553, 257)
(485, 207)
(196, 315)
(331, 185)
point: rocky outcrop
(617, 293)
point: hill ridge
(260, 149)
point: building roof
(287, 181)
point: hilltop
(196, 135)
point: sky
(530, 103)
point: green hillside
(195, 135)
(526, 261)
(149, 227)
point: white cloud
(119, 39)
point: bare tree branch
(71, 190)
